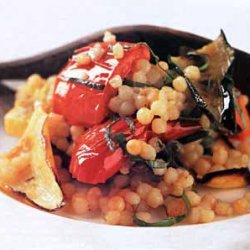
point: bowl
(56, 232)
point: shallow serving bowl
(46, 231)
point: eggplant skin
(230, 178)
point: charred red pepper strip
(242, 103)
(86, 106)
(177, 130)
(92, 160)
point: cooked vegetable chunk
(29, 167)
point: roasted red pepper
(176, 130)
(84, 105)
(92, 160)
(243, 119)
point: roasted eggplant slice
(228, 118)
(214, 59)
(218, 55)
(230, 178)
(29, 167)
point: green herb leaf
(136, 84)
(168, 80)
(189, 119)
(136, 159)
(168, 221)
(204, 66)
(86, 83)
(170, 153)
(164, 223)
(170, 76)
(108, 135)
(157, 164)
(130, 123)
(120, 139)
(193, 137)
(187, 202)
(153, 55)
